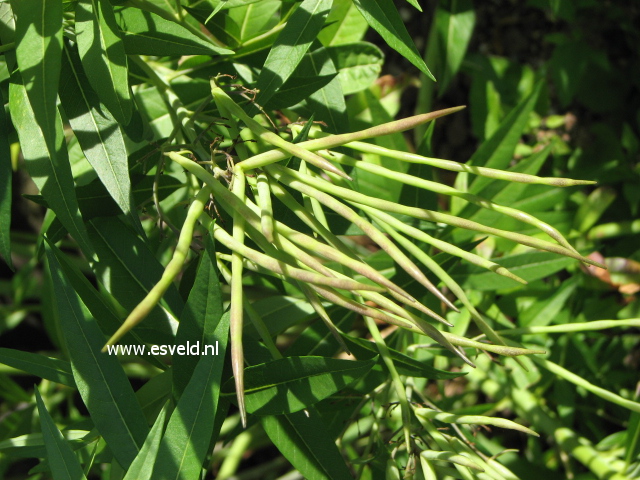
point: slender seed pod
(171, 271)
(461, 167)
(429, 215)
(236, 317)
(506, 350)
(472, 419)
(365, 226)
(421, 236)
(264, 202)
(450, 191)
(273, 265)
(333, 141)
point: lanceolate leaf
(383, 17)
(97, 132)
(5, 189)
(186, 440)
(47, 163)
(63, 462)
(38, 40)
(498, 150)
(302, 437)
(142, 467)
(200, 317)
(291, 45)
(359, 65)
(52, 369)
(290, 384)
(327, 104)
(128, 269)
(101, 381)
(146, 33)
(103, 56)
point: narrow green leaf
(290, 384)
(63, 462)
(498, 150)
(97, 132)
(384, 18)
(103, 56)
(5, 189)
(200, 317)
(359, 65)
(99, 303)
(291, 45)
(326, 104)
(129, 270)
(146, 33)
(52, 369)
(303, 439)
(102, 383)
(344, 25)
(32, 444)
(530, 266)
(186, 440)
(47, 163)
(297, 89)
(142, 467)
(38, 39)
(405, 365)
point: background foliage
(95, 90)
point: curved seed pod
(461, 167)
(430, 215)
(332, 141)
(450, 191)
(450, 282)
(472, 419)
(505, 350)
(419, 324)
(172, 269)
(221, 98)
(385, 218)
(225, 197)
(373, 233)
(340, 253)
(341, 300)
(450, 457)
(264, 202)
(274, 265)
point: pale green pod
(472, 420)
(333, 141)
(450, 457)
(461, 167)
(432, 216)
(274, 265)
(236, 312)
(264, 203)
(171, 271)
(282, 175)
(450, 191)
